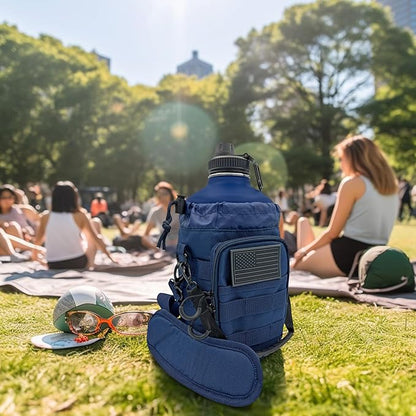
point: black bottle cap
(225, 161)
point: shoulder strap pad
(224, 371)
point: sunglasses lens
(83, 323)
(131, 323)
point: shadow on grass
(274, 384)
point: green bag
(385, 269)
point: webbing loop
(166, 226)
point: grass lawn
(344, 359)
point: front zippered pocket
(249, 278)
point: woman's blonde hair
(366, 158)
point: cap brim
(60, 341)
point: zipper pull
(256, 170)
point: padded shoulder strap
(224, 371)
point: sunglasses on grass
(124, 323)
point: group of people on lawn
(67, 236)
(364, 211)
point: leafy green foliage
(392, 110)
(51, 98)
(64, 116)
(271, 163)
(304, 78)
(181, 133)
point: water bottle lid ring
(228, 164)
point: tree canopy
(327, 69)
(64, 116)
(305, 78)
(392, 110)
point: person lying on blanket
(364, 213)
(71, 238)
(9, 243)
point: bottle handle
(256, 170)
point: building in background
(195, 67)
(102, 58)
(404, 12)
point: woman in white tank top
(364, 213)
(70, 239)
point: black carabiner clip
(198, 312)
(176, 290)
(199, 336)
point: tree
(51, 100)
(180, 134)
(119, 156)
(306, 76)
(271, 163)
(236, 127)
(392, 110)
(64, 116)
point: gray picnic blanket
(337, 287)
(133, 280)
(140, 280)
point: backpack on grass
(385, 269)
(230, 287)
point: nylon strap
(166, 227)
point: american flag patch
(255, 264)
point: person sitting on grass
(128, 223)
(71, 239)
(164, 195)
(365, 211)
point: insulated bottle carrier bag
(230, 298)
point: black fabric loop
(166, 227)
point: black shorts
(344, 250)
(76, 263)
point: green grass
(404, 237)
(344, 359)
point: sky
(147, 39)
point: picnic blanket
(337, 287)
(141, 279)
(135, 279)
